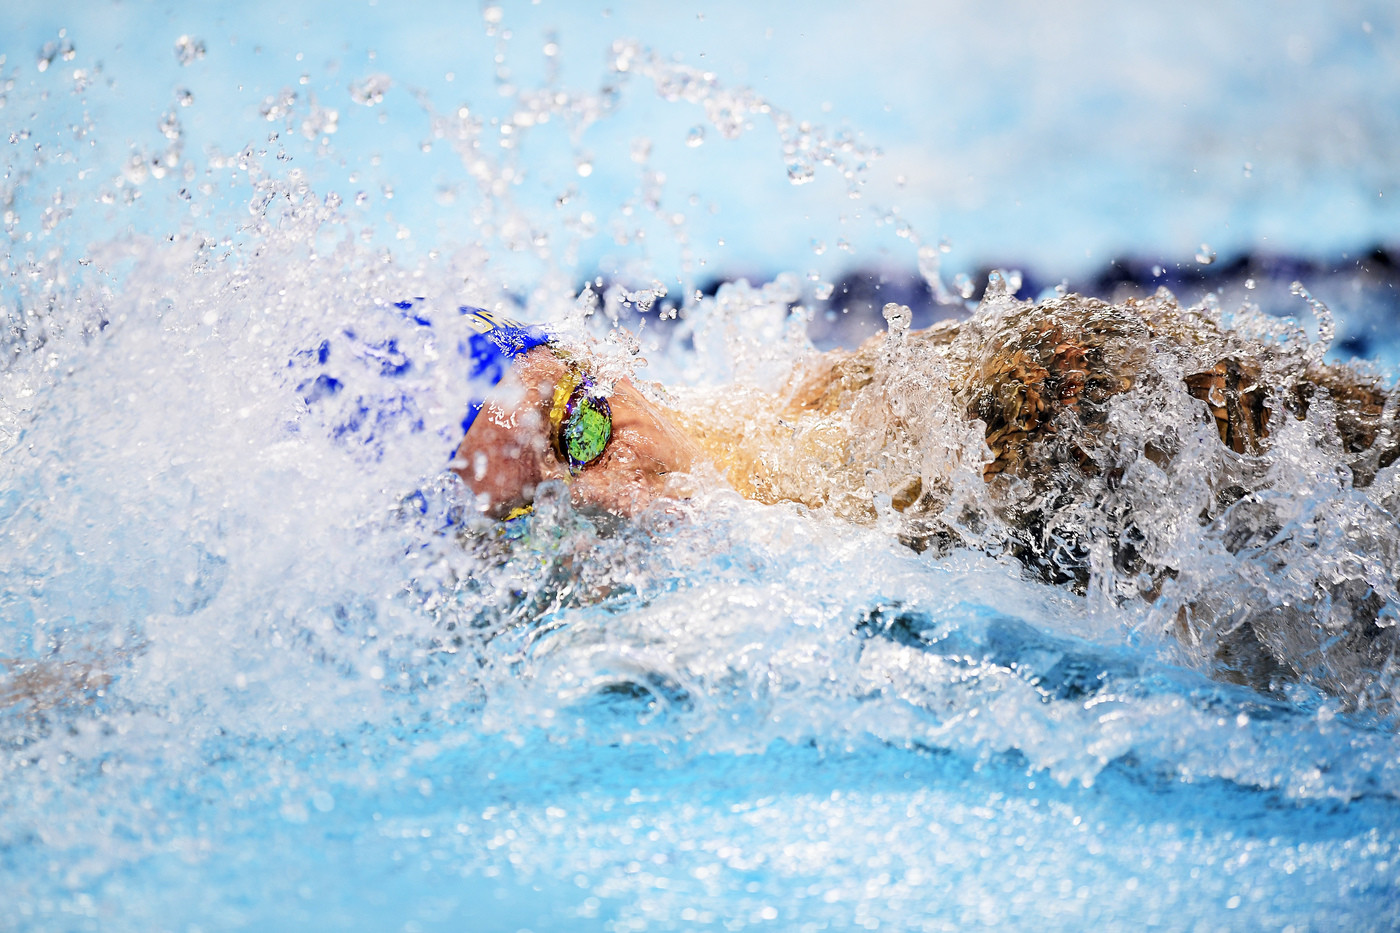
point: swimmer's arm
(822, 381)
(43, 684)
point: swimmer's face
(511, 447)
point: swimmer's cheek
(505, 470)
(628, 478)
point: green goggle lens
(582, 424)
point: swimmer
(1026, 399)
(1036, 381)
(1048, 406)
(548, 420)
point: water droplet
(823, 291)
(52, 50)
(818, 247)
(1326, 326)
(695, 137)
(964, 284)
(930, 263)
(1205, 255)
(183, 97)
(800, 172)
(370, 90)
(897, 318)
(843, 244)
(188, 50)
(1249, 284)
(945, 245)
(170, 125)
(1248, 169)
(276, 107)
(1158, 272)
(585, 167)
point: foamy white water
(254, 683)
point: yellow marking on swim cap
(483, 321)
(563, 391)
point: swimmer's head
(546, 419)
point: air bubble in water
(823, 291)
(1205, 255)
(188, 49)
(695, 137)
(1248, 169)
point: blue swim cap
(389, 402)
(497, 341)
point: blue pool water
(250, 682)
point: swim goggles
(580, 425)
(580, 418)
(580, 421)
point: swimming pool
(279, 696)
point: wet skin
(509, 451)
